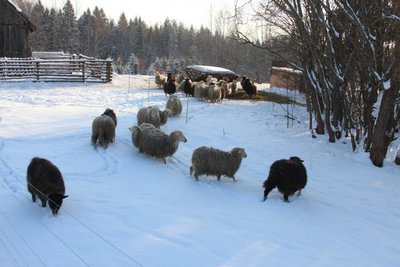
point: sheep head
(296, 159)
(154, 114)
(239, 151)
(178, 136)
(55, 202)
(111, 113)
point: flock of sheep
(45, 181)
(211, 89)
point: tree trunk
(380, 139)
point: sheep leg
(43, 201)
(191, 170)
(268, 189)
(286, 197)
(94, 139)
(233, 177)
(219, 177)
(299, 193)
(33, 197)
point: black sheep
(46, 182)
(188, 87)
(288, 175)
(249, 87)
(242, 81)
(170, 86)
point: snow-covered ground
(126, 209)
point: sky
(192, 12)
(128, 209)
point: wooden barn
(15, 29)
(285, 77)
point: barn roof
(18, 11)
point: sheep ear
(65, 196)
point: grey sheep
(153, 115)
(212, 161)
(103, 128)
(175, 105)
(154, 142)
(288, 175)
(45, 181)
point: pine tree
(70, 31)
(122, 40)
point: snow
(126, 209)
(387, 84)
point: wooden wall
(14, 32)
(286, 78)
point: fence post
(108, 71)
(37, 71)
(83, 69)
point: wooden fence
(59, 70)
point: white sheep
(233, 86)
(153, 115)
(175, 105)
(225, 90)
(210, 79)
(154, 142)
(160, 79)
(181, 86)
(214, 93)
(212, 161)
(201, 90)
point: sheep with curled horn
(288, 175)
(103, 128)
(212, 161)
(153, 115)
(46, 182)
(154, 142)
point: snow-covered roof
(210, 69)
(290, 70)
(200, 72)
(15, 5)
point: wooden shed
(15, 29)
